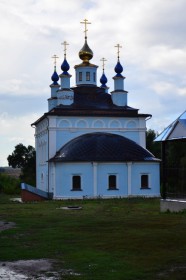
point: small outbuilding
(173, 175)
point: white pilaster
(129, 181)
(52, 178)
(142, 132)
(95, 178)
(52, 137)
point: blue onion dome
(65, 67)
(103, 80)
(118, 69)
(55, 77)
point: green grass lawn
(113, 239)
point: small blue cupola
(65, 67)
(103, 79)
(55, 77)
(65, 96)
(118, 69)
(52, 101)
(86, 73)
(119, 95)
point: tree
(153, 147)
(25, 158)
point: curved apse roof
(102, 147)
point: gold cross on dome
(103, 60)
(85, 22)
(55, 57)
(65, 47)
(118, 46)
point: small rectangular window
(76, 183)
(144, 181)
(80, 76)
(87, 76)
(94, 76)
(112, 182)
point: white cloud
(166, 59)
(15, 130)
(16, 125)
(168, 89)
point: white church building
(90, 143)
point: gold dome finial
(65, 44)
(103, 63)
(118, 46)
(85, 53)
(85, 22)
(55, 57)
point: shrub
(9, 185)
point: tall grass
(9, 185)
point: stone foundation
(172, 205)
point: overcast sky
(152, 35)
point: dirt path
(42, 269)
(6, 225)
(28, 269)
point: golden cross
(118, 47)
(85, 22)
(65, 47)
(55, 57)
(103, 60)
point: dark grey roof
(100, 147)
(90, 100)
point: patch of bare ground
(175, 272)
(6, 225)
(42, 269)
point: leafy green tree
(153, 147)
(25, 158)
(176, 154)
